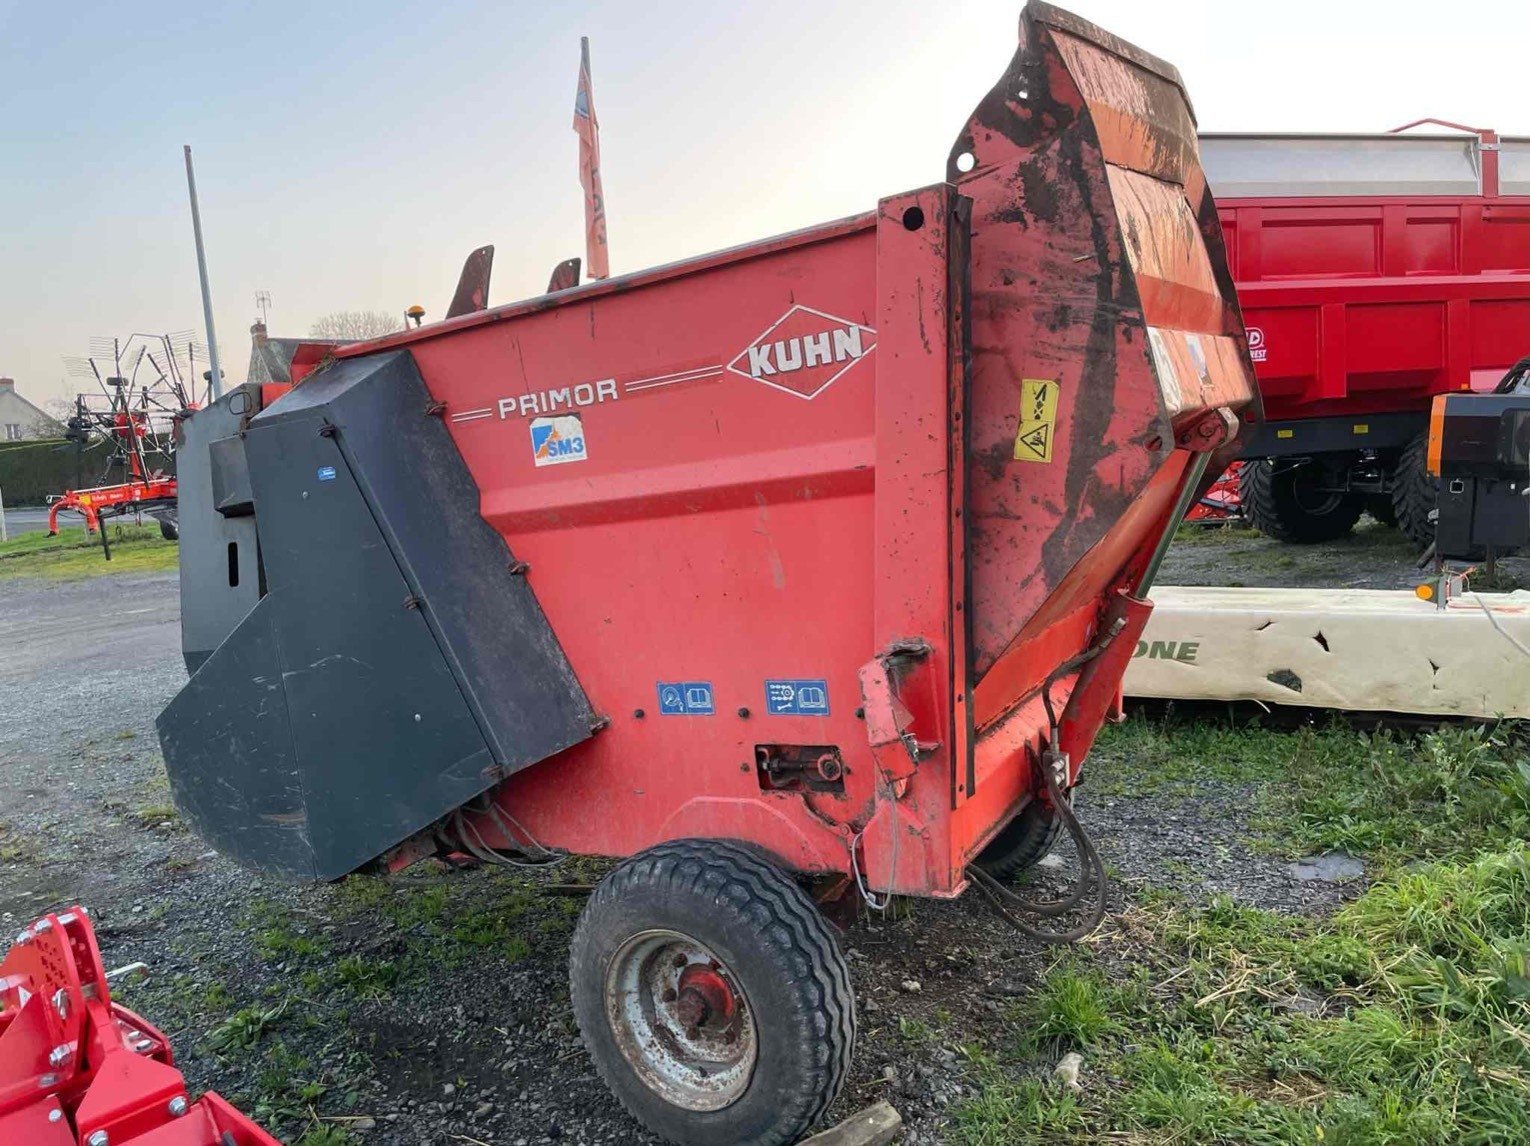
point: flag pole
(596, 251)
(215, 379)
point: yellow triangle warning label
(1036, 442)
(1038, 418)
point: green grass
(1392, 797)
(1403, 1017)
(74, 554)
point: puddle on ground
(1331, 867)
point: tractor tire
(1280, 504)
(1415, 493)
(712, 996)
(1022, 842)
(1380, 507)
(169, 529)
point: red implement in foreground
(77, 1069)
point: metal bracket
(894, 746)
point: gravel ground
(1374, 556)
(484, 1049)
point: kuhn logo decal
(555, 441)
(805, 351)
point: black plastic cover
(396, 667)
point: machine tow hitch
(77, 1069)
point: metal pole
(4, 536)
(216, 383)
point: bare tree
(356, 324)
(57, 411)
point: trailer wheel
(169, 530)
(1022, 842)
(1287, 502)
(712, 996)
(1414, 493)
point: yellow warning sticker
(1362, 427)
(1038, 420)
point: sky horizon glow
(350, 156)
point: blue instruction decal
(326, 473)
(685, 698)
(797, 697)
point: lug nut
(177, 1106)
(99, 1138)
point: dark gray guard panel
(228, 748)
(219, 584)
(416, 668)
(492, 631)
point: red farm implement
(814, 564)
(146, 385)
(1374, 272)
(77, 1069)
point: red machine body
(841, 530)
(77, 1068)
(1363, 302)
(1374, 272)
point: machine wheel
(1022, 842)
(1415, 493)
(712, 996)
(1286, 502)
(169, 529)
(1379, 506)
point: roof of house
(12, 395)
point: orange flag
(596, 258)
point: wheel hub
(680, 1020)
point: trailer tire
(757, 953)
(1278, 506)
(1414, 493)
(169, 529)
(1022, 842)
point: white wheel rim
(681, 1020)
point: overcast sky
(350, 155)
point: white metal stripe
(669, 379)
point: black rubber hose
(1005, 902)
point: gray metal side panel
(386, 741)
(1514, 167)
(210, 605)
(1246, 166)
(503, 653)
(228, 751)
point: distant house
(271, 358)
(20, 421)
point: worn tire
(1022, 842)
(775, 946)
(1415, 493)
(1275, 503)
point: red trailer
(811, 566)
(1374, 272)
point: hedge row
(30, 471)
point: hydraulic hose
(1005, 902)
